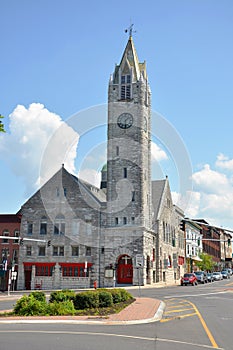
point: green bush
(116, 295)
(28, 305)
(38, 295)
(105, 298)
(86, 300)
(61, 308)
(62, 295)
(120, 295)
(125, 295)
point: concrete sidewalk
(143, 310)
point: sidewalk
(143, 310)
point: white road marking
(114, 335)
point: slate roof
(158, 187)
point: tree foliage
(207, 262)
(1, 124)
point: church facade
(126, 232)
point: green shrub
(120, 295)
(125, 295)
(105, 298)
(61, 308)
(86, 300)
(116, 295)
(28, 305)
(38, 295)
(62, 295)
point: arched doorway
(125, 270)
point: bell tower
(129, 143)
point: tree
(1, 124)
(207, 262)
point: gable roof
(160, 190)
(157, 187)
(93, 193)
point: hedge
(66, 302)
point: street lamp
(191, 263)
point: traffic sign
(139, 260)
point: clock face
(125, 120)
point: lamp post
(191, 263)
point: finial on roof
(130, 30)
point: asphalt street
(197, 317)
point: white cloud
(157, 153)
(31, 130)
(224, 162)
(90, 175)
(210, 181)
(190, 203)
(212, 198)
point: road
(197, 317)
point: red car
(188, 278)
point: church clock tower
(129, 143)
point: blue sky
(60, 54)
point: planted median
(101, 302)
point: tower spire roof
(130, 62)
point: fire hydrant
(95, 284)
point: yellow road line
(209, 334)
(179, 310)
(180, 316)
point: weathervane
(130, 30)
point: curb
(104, 322)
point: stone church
(76, 235)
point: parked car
(188, 278)
(230, 271)
(225, 274)
(217, 276)
(201, 276)
(210, 277)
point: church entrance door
(125, 270)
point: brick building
(9, 248)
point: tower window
(116, 221)
(125, 173)
(133, 196)
(124, 220)
(117, 150)
(126, 79)
(126, 87)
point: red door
(28, 276)
(125, 270)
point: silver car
(217, 276)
